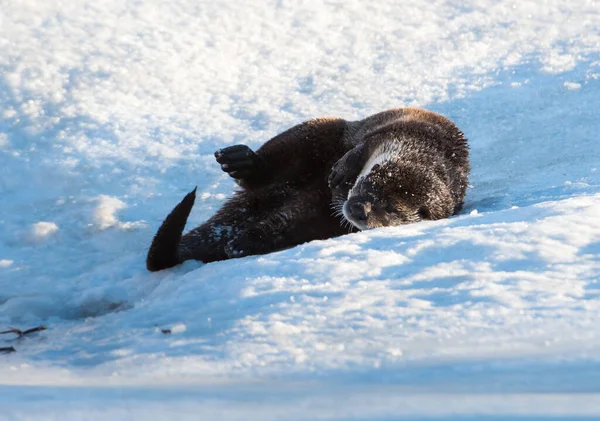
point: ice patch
(30, 307)
(99, 301)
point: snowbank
(110, 111)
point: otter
(324, 178)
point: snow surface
(110, 112)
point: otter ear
(424, 212)
(375, 167)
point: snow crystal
(178, 328)
(42, 230)
(572, 86)
(104, 214)
(559, 63)
(107, 207)
(4, 263)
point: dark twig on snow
(166, 331)
(25, 332)
(7, 350)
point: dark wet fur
(284, 201)
(285, 198)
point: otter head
(394, 193)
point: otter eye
(375, 167)
(424, 213)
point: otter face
(389, 194)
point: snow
(110, 112)
(42, 230)
(572, 86)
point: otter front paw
(345, 171)
(238, 161)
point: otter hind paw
(238, 161)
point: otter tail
(164, 251)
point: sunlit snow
(110, 111)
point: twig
(7, 350)
(26, 332)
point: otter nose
(360, 210)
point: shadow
(532, 138)
(593, 249)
